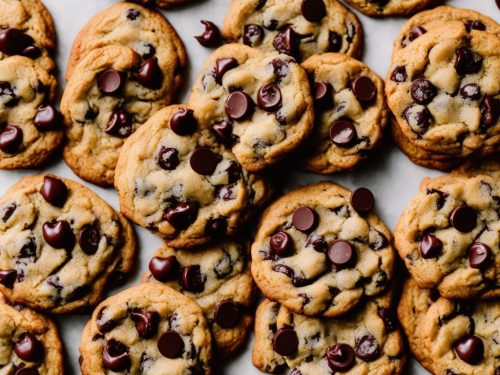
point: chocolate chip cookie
(259, 104)
(30, 125)
(149, 328)
(29, 342)
(27, 29)
(366, 341)
(449, 236)
(351, 112)
(384, 8)
(177, 179)
(59, 244)
(218, 279)
(109, 95)
(451, 337)
(444, 90)
(300, 28)
(319, 250)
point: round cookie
(449, 236)
(450, 336)
(144, 30)
(427, 20)
(29, 342)
(316, 255)
(27, 29)
(175, 178)
(366, 341)
(351, 112)
(444, 90)
(259, 104)
(59, 245)
(148, 328)
(218, 279)
(110, 95)
(384, 8)
(30, 130)
(300, 28)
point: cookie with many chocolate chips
(300, 28)
(27, 29)
(29, 342)
(109, 95)
(258, 104)
(351, 112)
(59, 244)
(367, 340)
(384, 8)
(450, 337)
(449, 236)
(218, 279)
(30, 125)
(319, 250)
(147, 329)
(444, 90)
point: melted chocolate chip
(204, 161)
(115, 356)
(416, 32)
(27, 371)
(380, 241)
(222, 66)
(470, 91)
(364, 89)
(287, 42)
(227, 314)
(281, 243)
(334, 42)
(183, 122)
(470, 349)
(168, 158)
(322, 94)
(463, 218)
(423, 91)
(296, 280)
(146, 322)
(58, 234)
(105, 325)
(340, 357)
(28, 348)
(343, 133)
(253, 35)
(430, 246)
(54, 191)
(8, 278)
(389, 318)
(280, 69)
(164, 269)
(474, 25)
(367, 348)
(224, 132)
(171, 345)
(269, 97)
(16, 42)
(318, 243)
(89, 239)
(216, 227)
(110, 81)
(119, 124)
(362, 200)
(399, 74)
(211, 35)
(285, 341)
(182, 215)
(133, 14)
(46, 118)
(192, 280)
(239, 106)
(490, 110)
(480, 255)
(417, 116)
(313, 10)
(342, 254)
(11, 139)
(149, 74)
(305, 219)
(467, 62)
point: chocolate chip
(11, 138)
(233, 172)
(211, 35)
(8, 278)
(224, 132)
(305, 219)
(379, 242)
(430, 246)
(470, 349)
(149, 74)
(313, 10)
(285, 341)
(467, 62)
(216, 227)
(54, 191)
(463, 218)
(367, 348)
(297, 281)
(192, 279)
(287, 42)
(16, 42)
(133, 14)
(222, 66)
(26, 371)
(269, 97)
(334, 42)
(322, 94)
(281, 243)
(110, 81)
(280, 69)
(340, 357)
(239, 105)
(474, 25)
(253, 35)
(146, 322)
(119, 124)
(318, 243)
(168, 158)
(164, 269)
(416, 32)
(89, 239)
(105, 325)
(227, 314)
(46, 118)
(389, 318)
(490, 110)
(182, 215)
(58, 234)
(399, 74)
(171, 345)
(419, 117)
(423, 91)
(8, 211)
(470, 91)
(342, 254)
(480, 255)
(204, 161)
(183, 122)
(115, 356)
(364, 89)
(28, 348)
(147, 51)
(362, 200)
(343, 133)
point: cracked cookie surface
(59, 244)
(382, 8)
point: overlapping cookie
(59, 244)
(384, 8)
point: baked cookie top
(146, 329)
(384, 8)
(29, 341)
(450, 336)
(300, 28)
(316, 255)
(444, 90)
(27, 29)
(449, 236)
(218, 278)
(110, 94)
(351, 112)
(259, 104)
(366, 340)
(30, 129)
(59, 243)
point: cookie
(444, 90)
(175, 178)
(31, 129)
(218, 279)
(384, 8)
(29, 342)
(427, 20)
(449, 236)
(27, 29)
(59, 244)
(319, 251)
(300, 28)
(365, 341)
(109, 95)
(148, 328)
(450, 337)
(259, 103)
(144, 30)
(489, 166)
(351, 112)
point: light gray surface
(389, 174)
